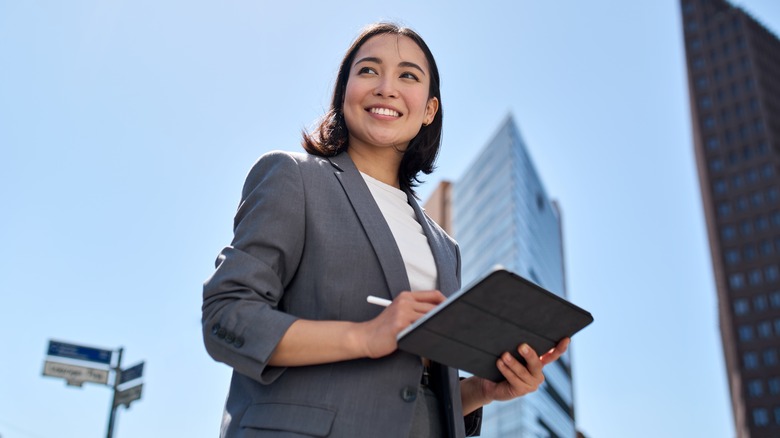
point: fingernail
(524, 349)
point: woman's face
(386, 99)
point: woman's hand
(518, 380)
(378, 336)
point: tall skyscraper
(733, 67)
(501, 214)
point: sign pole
(112, 415)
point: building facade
(501, 214)
(733, 65)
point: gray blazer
(310, 242)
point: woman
(314, 235)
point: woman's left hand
(518, 380)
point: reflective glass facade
(501, 214)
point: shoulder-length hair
(331, 136)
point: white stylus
(378, 301)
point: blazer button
(409, 394)
(221, 333)
(229, 338)
(239, 342)
(215, 329)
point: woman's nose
(386, 88)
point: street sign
(128, 395)
(79, 352)
(132, 373)
(75, 375)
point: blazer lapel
(442, 254)
(373, 222)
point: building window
(754, 277)
(760, 417)
(757, 199)
(737, 281)
(724, 209)
(765, 247)
(750, 360)
(777, 415)
(774, 300)
(713, 143)
(737, 181)
(777, 326)
(732, 256)
(770, 357)
(719, 186)
(776, 218)
(750, 252)
(755, 388)
(742, 203)
(742, 307)
(705, 102)
(767, 171)
(772, 273)
(709, 122)
(746, 228)
(765, 330)
(716, 165)
(752, 174)
(774, 385)
(759, 303)
(762, 223)
(729, 232)
(772, 195)
(745, 333)
(702, 82)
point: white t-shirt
(408, 233)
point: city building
(499, 213)
(733, 65)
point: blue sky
(127, 128)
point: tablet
(496, 313)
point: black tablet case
(473, 327)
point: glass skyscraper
(501, 214)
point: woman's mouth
(384, 112)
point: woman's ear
(431, 108)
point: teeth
(385, 112)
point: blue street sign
(131, 373)
(79, 352)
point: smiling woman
(317, 233)
(386, 103)
(399, 59)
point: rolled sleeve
(242, 322)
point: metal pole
(112, 415)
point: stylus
(378, 301)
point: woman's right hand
(378, 336)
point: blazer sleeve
(242, 324)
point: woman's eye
(408, 75)
(366, 70)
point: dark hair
(331, 136)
